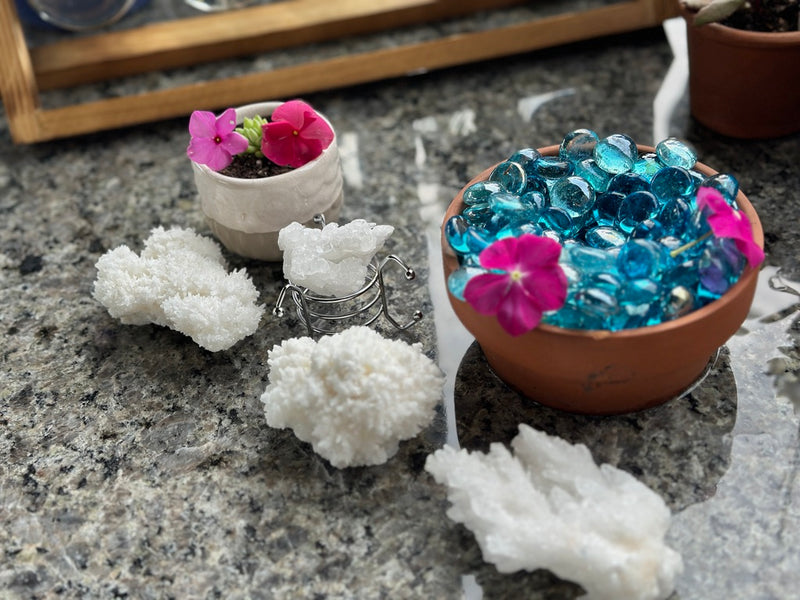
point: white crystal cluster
(180, 281)
(549, 506)
(331, 261)
(353, 395)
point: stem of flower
(686, 246)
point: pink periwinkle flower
(727, 222)
(526, 280)
(295, 135)
(214, 141)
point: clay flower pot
(247, 214)
(605, 372)
(743, 84)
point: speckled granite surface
(135, 464)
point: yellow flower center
(516, 275)
(295, 132)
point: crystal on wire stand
(323, 315)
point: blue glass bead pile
(623, 219)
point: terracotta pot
(604, 372)
(247, 214)
(743, 84)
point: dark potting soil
(250, 166)
(766, 15)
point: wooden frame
(24, 73)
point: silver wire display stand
(321, 314)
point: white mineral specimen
(331, 261)
(549, 506)
(179, 281)
(353, 395)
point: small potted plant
(744, 65)
(259, 168)
(599, 277)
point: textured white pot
(247, 214)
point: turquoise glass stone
(606, 208)
(586, 259)
(604, 237)
(536, 199)
(515, 209)
(671, 182)
(478, 215)
(608, 282)
(591, 172)
(640, 291)
(552, 235)
(458, 279)
(639, 259)
(647, 165)
(673, 152)
(674, 216)
(578, 145)
(510, 175)
(627, 183)
(725, 184)
(537, 184)
(649, 229)
(600, 309)
(479, 192)
(518, 229)
(455, 231)
(682, 273)
(552, 167)
(635, 208)
(574, 195)
(616, 153)
(477, 239)
(525, 158)
(559, 220)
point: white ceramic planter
(247, 214)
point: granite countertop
(135, 464)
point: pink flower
(726, 222)
(214, 141)
(295, 135)
(526, 282)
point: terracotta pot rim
(744, 280)
(741, 37)
(260, 108)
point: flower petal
(485, 292)
(516, 314)
(293, 112)
(279, 142)
(234, 143)
(537, 251)
(546, 288)
(202, 150)
(219, 159)
(501, 254)
(751, 251)
(318, 129)
(226, 122)
(202, 124)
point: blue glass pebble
(606, 208)
(616, 153)
(559, 220)
(639, 259)
(671, 182)
(511, 176)
(478, 215)
(479, 192)
(518, 229)
(591, 172)
(552, 167)
(647, 165)
(627, 183)
(719, 268)
(674, 153)
(477, 239)
(649, 229)
(573, 194)
(455, 230)
(725, 184)
(589, 260)
(640, 291)
(674, 216)
(635, 208)
(578, 145)
(599, 308)
(679, 302)
(604, 237)
(537, 184)
(525, 158)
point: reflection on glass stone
(635, 208)
(479, 193)
(675, 153)
(510, 175)
(672, 182)
(616, 153)
(578, 145)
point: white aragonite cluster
(331, 261)
(353, 395)
(180, 281)
(549, 506)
